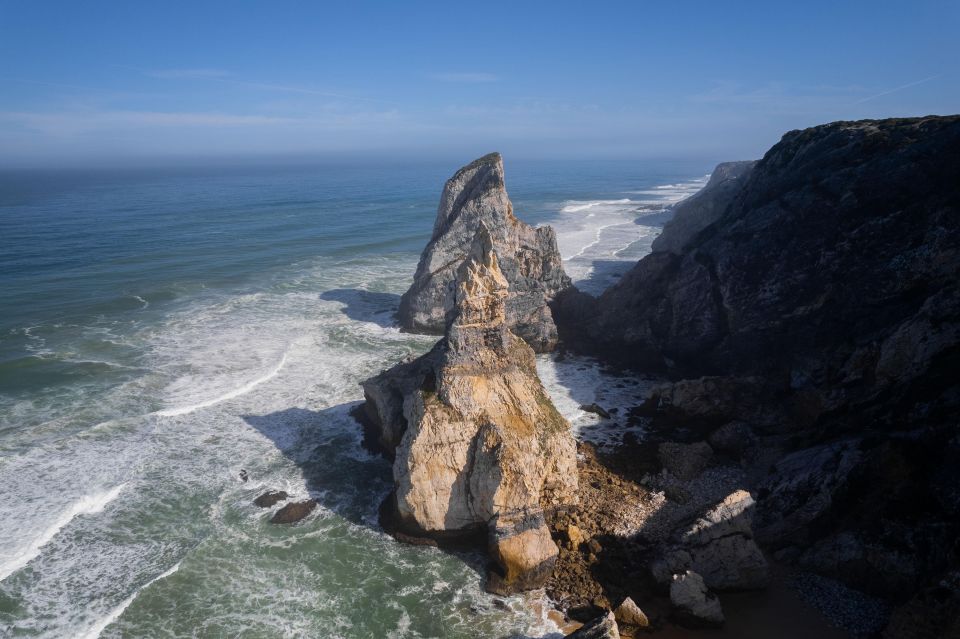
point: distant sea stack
(478, 446)
(528, 257)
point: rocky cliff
(817, 324)
(697, 212)
(528, 257)
(477, 444)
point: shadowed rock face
(817, 322)
(478, 444)
(835, 264)
(528, 257)
(705, 207)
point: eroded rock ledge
(528, 257)
(478, 446)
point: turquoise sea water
(163, 330)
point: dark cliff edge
(700, 210)
(817, 321)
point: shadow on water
(366, 306)
(341, 476)
(323, 444)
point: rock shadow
(339, 471)
(366, 306)
(324, 445)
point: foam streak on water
(100, 626)
(246, 388)
(86, 505)
(600, 239)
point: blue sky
(87, 82)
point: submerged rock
(480, 448)
(294, 512)
(270, 498)
(528, 257)
(596, 409)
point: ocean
(163, 332)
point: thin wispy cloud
(226, 77)
(68, 123)
(896, 89)
(188, 73)
(467, 78)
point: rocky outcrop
(528, 257)
(817, 321)
(700, 210)
(478, 445)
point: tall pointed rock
(528, 257)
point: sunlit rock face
(528, 258)
(480, 446)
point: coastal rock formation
(478, 445)
(528, 257)
(700, 210)
(817, 324)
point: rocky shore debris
(478, 447)
(602, 627)
(528, 258)
(630, 615)
(269, 498)
(293, 512)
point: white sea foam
(594, 235)
(94, 631)
(577, 381)
(236, 392)
(142, 301)
(86, 505)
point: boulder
(528, 258)
(602, 627)
(629, 614)
(596, 409)
(732, 438)
(293, 512)
(684, 461)
(693, 603)
(722, 548)
(480, 446)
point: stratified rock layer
(479, 447)
(528, 257)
